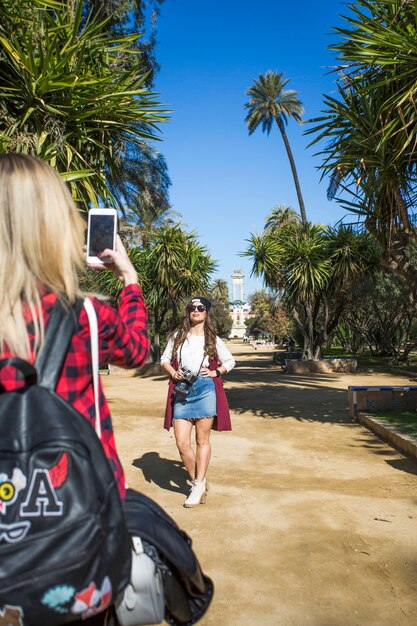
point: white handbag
(142, 602)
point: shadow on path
(259, 388)
(166, 473)
(378, 446)
(270, 393)
(407, 465)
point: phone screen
(101, 233)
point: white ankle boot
(198, 495)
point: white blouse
(191, 353)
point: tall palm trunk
(293, 169)
(156, 344)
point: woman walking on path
(195, 359)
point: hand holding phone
(119, 263)
(101, 234)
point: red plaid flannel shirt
(123, 341)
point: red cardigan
(222, 419)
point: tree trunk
(156, 344)
(329, 325)
(156, 348)
(307, 331)
(293, 169)
(402, 209)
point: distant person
(41, 253)
(195, 359)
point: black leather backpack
(64, 546)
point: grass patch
(404, 420)
(375, 363)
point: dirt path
(311, 520)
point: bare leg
(202, 436)
(182, 432)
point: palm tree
(313, 268)
(280, 216)
(141, 229)
(369, 129)
(269, 102)
(178, 267)
(380, 41)
(72, 93)
(219, 291)
(143, 183)
(220, 315)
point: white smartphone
(101, 234)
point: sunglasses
(196, 307)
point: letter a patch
(41, 498)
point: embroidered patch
(91, 600)
(11, 616)
(59, 472)
(59, 598)
(10, 488)
(12, 533)
(41, 498)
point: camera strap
(179, 360)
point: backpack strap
(92, 320)
(26, 369)
(59, 331)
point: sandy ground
(310, 520)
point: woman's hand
(206, 373)
(120, 265)
(178, 375)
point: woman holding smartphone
(39, 266)
(195, 359)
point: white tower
(239, 309)
(237, 286)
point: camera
(182, 387)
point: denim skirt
(200, 401)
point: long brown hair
(180, 335)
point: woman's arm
(123, 333)
(166, 361)
(174, 374)
(226, 358)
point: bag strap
(201, 364)
(92, 320)
(59, 331)
(27, 370)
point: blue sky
(225, 182)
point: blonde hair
(41, 246)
